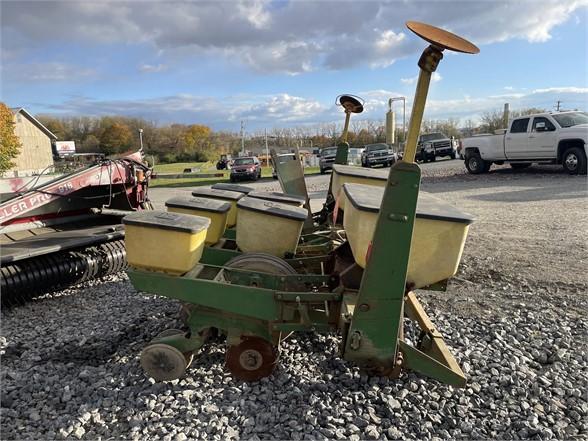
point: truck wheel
(574, 161)
(453, 155)
(520, 165)
(432, 158)
(475, 164)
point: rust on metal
(442, 38)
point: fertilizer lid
(204, 204)
(369, 198)
(185, 223)
(360, 172)
(273, 208)
(232, 187)
(207, 192)
(277, 196)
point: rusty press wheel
(252, 359)
(163, 362)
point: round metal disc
(442, 38)
(351, 103)
(261, 262)
(163, 362)
(252, 359)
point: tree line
(197, 142)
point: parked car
(433, 145)
(378, 154)
(245, 168)
(327, 158)
(546, 138)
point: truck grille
(442, 145)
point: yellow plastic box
(269, 227)
(438, 238)
(167, 242)
(223, 195)
(277, 196)
(343, 174)
(215, 210)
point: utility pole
(242, 139)
(266, 149)
(558, 105)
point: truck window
(540, 119)
(519, 125)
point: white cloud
(322, 33)
(47, 72)
(283, 110)
(152, 68)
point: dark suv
(246, 168)
(327, 158)
(432, 145)
(377, 154)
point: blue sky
(278, 64)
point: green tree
(116, 138)
(9, 143)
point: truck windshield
(373, 147)
(327, 152)
(244, 161)
(571, 119)
(432, 136)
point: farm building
(35, 154)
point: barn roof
(34, 120)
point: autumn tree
(54, 125)
(9, 143)
(116, 138)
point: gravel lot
(515, 317)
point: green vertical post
(378, 316)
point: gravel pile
(70, 370)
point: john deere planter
(290, 270)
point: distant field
(205, 167)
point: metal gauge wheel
(163, 362)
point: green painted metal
(378, 315)
(230, 233)
(425, 365)
(183, 343)
(242, 300)
(342, 155)
(217, 256)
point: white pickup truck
(546, 138)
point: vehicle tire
(453, 155)
(432, 158)
(232, 179)
(574, 161)
(322, 171)
(520, 165)
(475, 164)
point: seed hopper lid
(273, 208)
(350, 103)
(442, 38)
(202, 204)
(369, 198)
(360, 172)
(163, 220)
(232, 187)
(277, 196)
(207, 192)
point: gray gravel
(70, 370)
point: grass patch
(266, 173)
